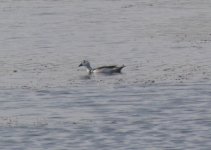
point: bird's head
(84, 63)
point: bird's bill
(80, 65)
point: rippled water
(152, 117)
(160, 101)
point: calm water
(160, 101)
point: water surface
(160, 101)
(152, 117)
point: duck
(103, 69)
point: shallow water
(152, 117)
(42, 42)
(160, 101)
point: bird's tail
(123, 66)
(120, 68)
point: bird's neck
(89, 68)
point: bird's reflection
(86, 77)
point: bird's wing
(104, 67)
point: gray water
(152, 117)
(160, 101)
